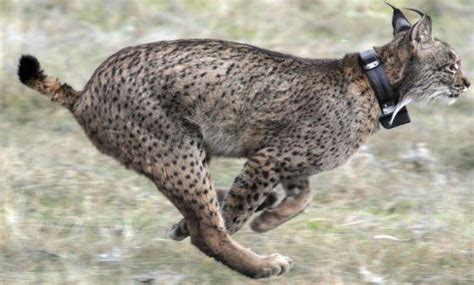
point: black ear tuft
(399, 22)
(422, 29)
(416, 11)
(29, 69)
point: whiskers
(443, 95)
(445, 100)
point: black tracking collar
(383, 91)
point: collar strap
(383, 91)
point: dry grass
(400, 211)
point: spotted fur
(164, 109)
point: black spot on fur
(29, 69)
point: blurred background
(401, 211)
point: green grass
(71, 215)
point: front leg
(251, 189)
(298, 197)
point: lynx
(164, 109)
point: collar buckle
(371, 65)
(388, 108)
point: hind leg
(192, 192)
(179, 231)
(298, 198)
(251, 188)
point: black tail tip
(29, 69)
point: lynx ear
(399, 22)
(421, 32)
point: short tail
(30, 74)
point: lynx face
(435, 74)
(433, 71)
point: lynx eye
(452, 68)
(449, 67)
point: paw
(179, 231)
(270, 219)
(274, 265)
(289, 208)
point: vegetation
(401, 211)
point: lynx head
(424, 68)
